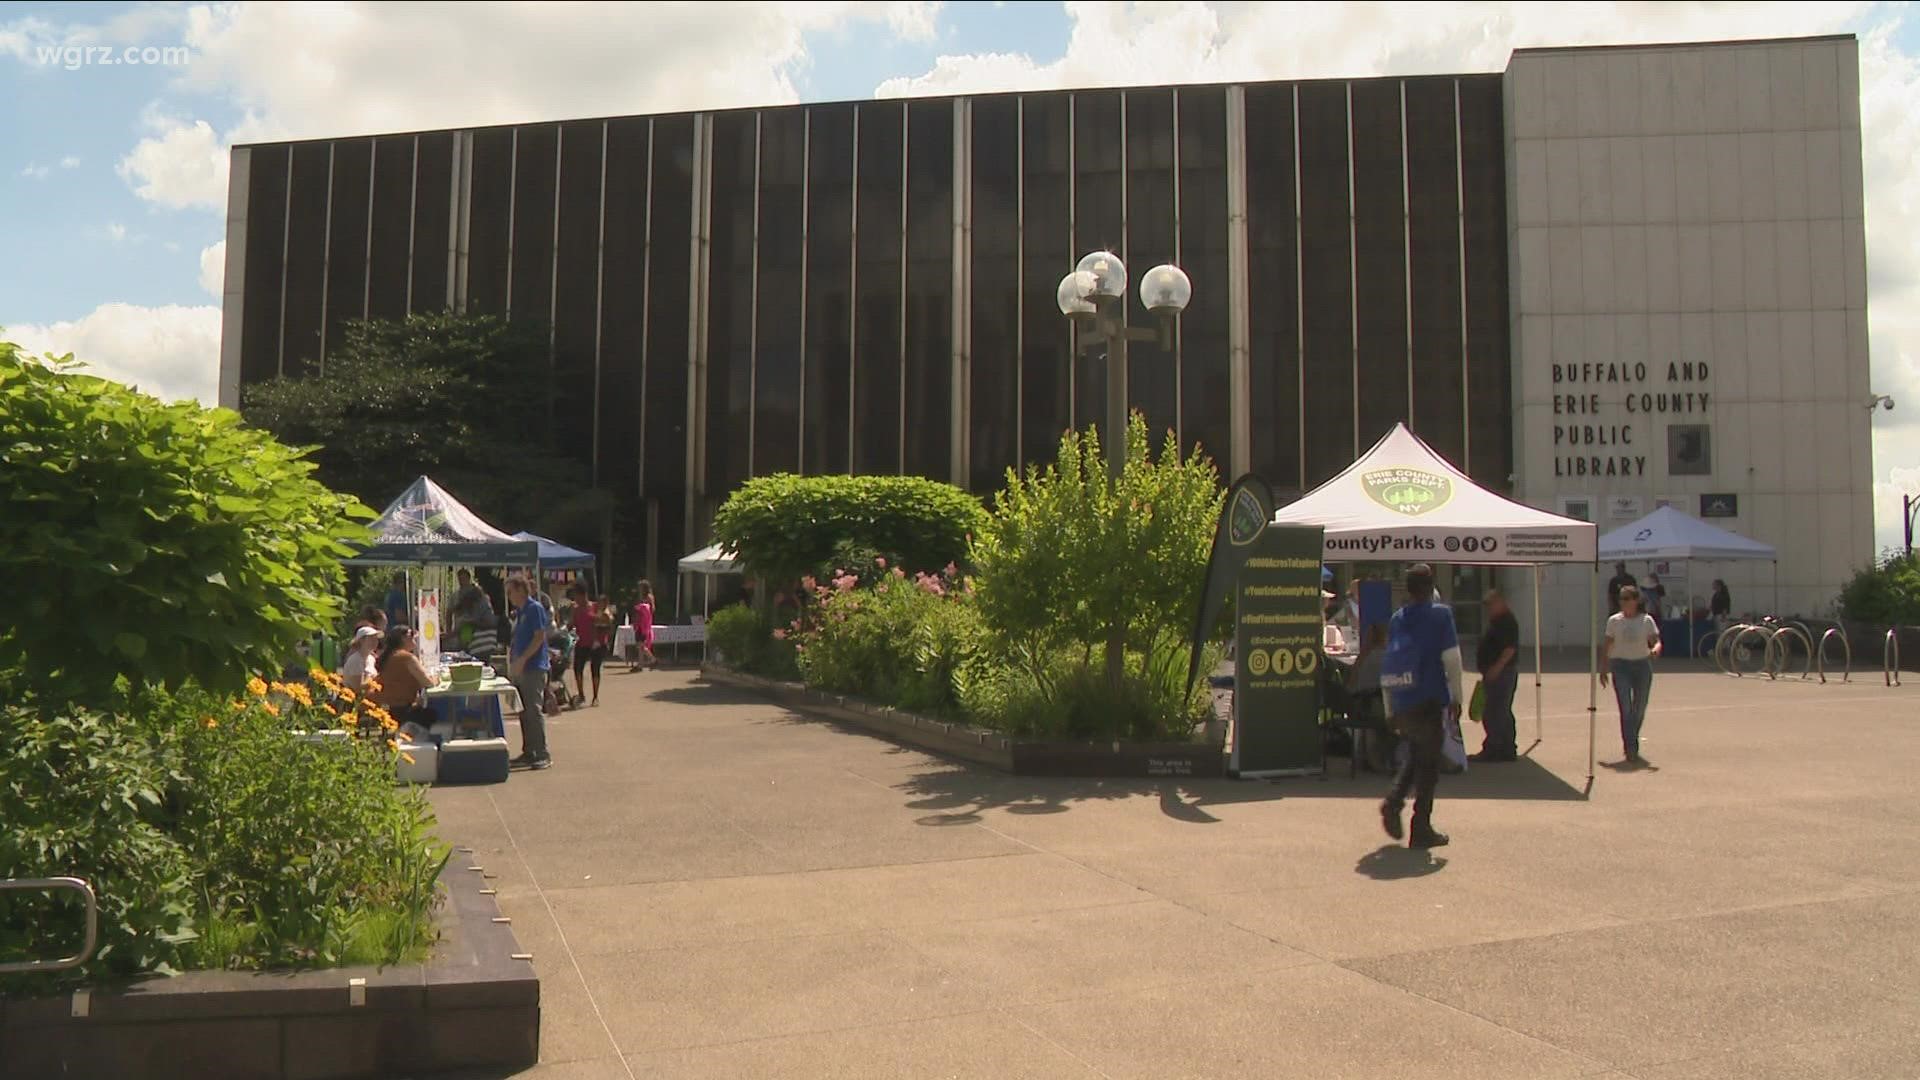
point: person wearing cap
(1421, 676)
(357, 665)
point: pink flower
(899, 573)
(779, 634)
(880, 562)
(846, 582)
(953, 570)
(809, 584)
(879, 588)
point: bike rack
(1776, 668)
(1821, 653)
(56, 884)
(1890, 657)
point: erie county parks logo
(1408, 491)
(1247, 518)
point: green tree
(1074, 560)
(1884, 595)
(467, 398)
(153, 542)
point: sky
(113, 175)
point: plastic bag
(1453, 749)
(1477, 704)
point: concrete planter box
(983, 747)
(472, 1006)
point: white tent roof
(1401, 501)
(708, 560)
(1669, 534)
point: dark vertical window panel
(929, 366)
(1489, 372)
(776, 402)
(1206, 392)
(347, 233)
(1153, 377)
(1434, 225)
(1273, 274)
(392, 211)
(1327, 314)
(490, 212)
(876, 376)
(306, 258)
(575, 295)
(266, 259)
(1380, 257)
(1099, 223)
(993, 434)
(533, 222)
(433, 201)
(669, 296)
(829, 281)
(623, 267)
(730, 304)
(1047, 254)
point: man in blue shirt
(396, 601)
(527, 667)
(1421, 677)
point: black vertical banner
(1244, 516)
(1277, 640)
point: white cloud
(213, 267)
(171, 352)
(69, 162)
(184, 164)
(116, 232)
(34, 171)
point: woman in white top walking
(1632, 641)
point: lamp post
(1909, 509)
(1094, 296)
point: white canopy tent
(709, 562)
(1667, 535)
(1403, 501)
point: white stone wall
(1677, 205)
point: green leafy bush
(87, 795)
(1072, 561)
(784, 526)
(153, 542)
(1887, 594)
(745, 641)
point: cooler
(473, 761)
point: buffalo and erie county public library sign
(1602, 410)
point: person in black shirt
(1721, 606)
(1614, 584)
(1498, 662)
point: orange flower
(348, 695)
(239, 706)
(257, 687)
(272, 709)
(210, 722)
(331, 711)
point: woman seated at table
(358, 664)
(402, 677)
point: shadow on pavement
(1392, 862)
(959, 795)
(1522, 779)
(708, 694)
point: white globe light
(1165, 290)
(1072, 294)
(1109, 275)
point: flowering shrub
(896, 641)
(213, 834)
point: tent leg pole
(1539, 710)
(1593, 676)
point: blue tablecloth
(449, 705)
(1673, 635)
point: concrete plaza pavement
(713, 886)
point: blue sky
(112, 177)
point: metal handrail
(1821, 653)
(1890, 656)
(92, 938)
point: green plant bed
(213, 836)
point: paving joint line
(592, 1000)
